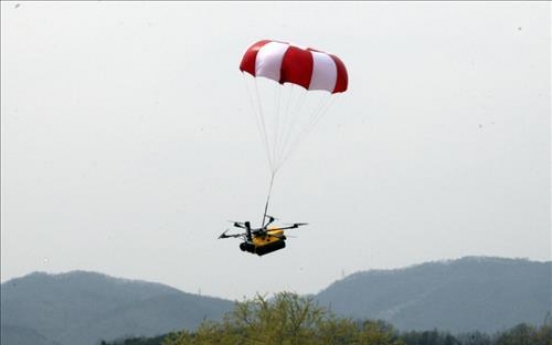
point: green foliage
(286, 320)
(430, 338)
(137, 341)
(475, 338)
(524, 334)
(289, 319)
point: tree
(519, 335)
(287, 319)
(475, 338)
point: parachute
(290, 88)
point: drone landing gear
(271, 247)
(264, 249)
(247, 247)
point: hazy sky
(127, 140)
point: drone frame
(262, 231)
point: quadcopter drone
(261, 240)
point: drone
(261, 240)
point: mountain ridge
(77, 307)
(490, 294)
(83, 307)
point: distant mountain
(473, 293)
(469, 294)
(82, 308)
(22, 336)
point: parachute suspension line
(263, 125)
(268, 198)
(307, 126)
(296, 99)
(257, 110)
(283, 129)
(277, 119)
(292, 123)
(315, 116)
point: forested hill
(473, 293)
(80, 308)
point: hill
(469, 294)
(473, 293)
(81, 308)
(22, 336)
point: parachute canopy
(286, 63)
(297, 87)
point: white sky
(127, 140)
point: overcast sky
(127, 140)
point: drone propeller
(269, 221)
(237, 224)
(224, 235)
(293, 226)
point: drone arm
(270, 220)
(293, 226)
(239, 225)
(224, 235)
(288, 227)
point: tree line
(289, 319)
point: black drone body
(261, 240)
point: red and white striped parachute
(290, 88)
(286, 63)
